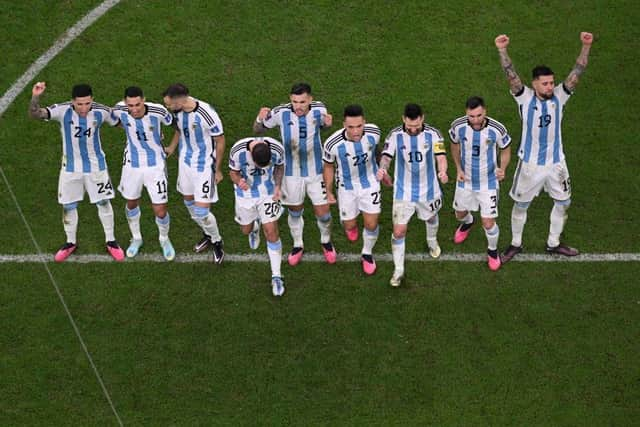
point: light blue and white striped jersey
(541, 141)
(81, 146)
(197, 128)
(478, 151)
(260, 180)
(415, 177)
(144, 136)
(355, 160)
(300, 138)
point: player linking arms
(541, 163)
(256, 170)
(84, 166)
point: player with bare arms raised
(541, 164)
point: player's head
(413, 119)
(542, 81)
(354, 122)
(81, 98)
(476, 112)
(300, 97)
(134, 99)
(175, 96)
(260, 152)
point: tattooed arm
(35, 111)
(581, 63)
(515, 84)
(278, 173)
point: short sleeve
(562, 93)
(389, 148)
(272, 120)
(56, 111)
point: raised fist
(38, 88)
(502, 41)
(586, 38)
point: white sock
(432, 225)
(397, 250)
(518, 219)
(105, 213)
(133, 218)
(274, 249)
(468, 219)
(557, 219)
(296, 225)
(369, 239)
(492, 234)
(209, 225)
(163, 227)
(324, 226)
(70, 223)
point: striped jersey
(355, 160)
(81, 146)
(478, 151)
(144, 136)
(197, 129)
(300, 137)
(541, 140)
(260, 180)
(416, 177)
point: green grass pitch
(192, 344)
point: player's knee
(562, 204)
(372, 230)
(488, 223)
(295, 214)
(200, 212)
(70, 206)
(324, 218)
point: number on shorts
(102, 187)
(271, 209)
(376, 197)
(494, 200)
(324, 188)
(205, 187)
(566, 185)
(435, 205)
(162, 187)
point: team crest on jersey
(151, 128)
(490, 141)
(94, 123)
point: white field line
(317, 257)
(6, 100)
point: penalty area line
(187, 258)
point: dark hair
(412, 111)
(541, 70)
(261, 154)
(133, 92)
(176, 90)
(353, 110)
(474, 102)
(300, 89)
(81, 90)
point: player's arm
(441, 161)
(581, 63)
(505, 158)
(219, 144)
(278, 173)
(328, 174)
(258, 125)
(455, 155)
(171, 148)
(515, 83)
(237, 179)
(35, 110)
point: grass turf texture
(198, 345)
(556, 350)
